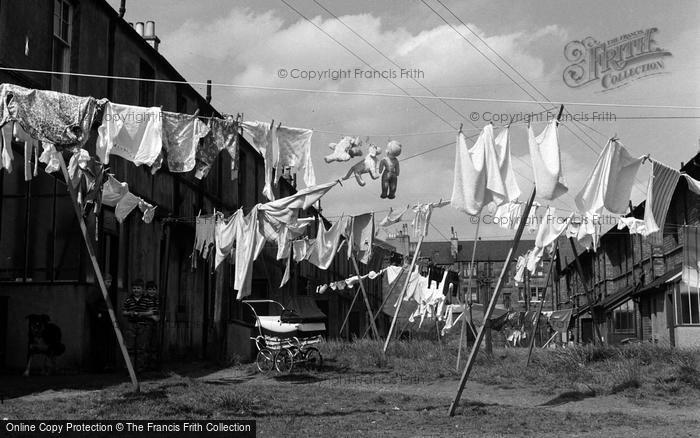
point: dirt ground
(336, 402)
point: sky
(250, 42)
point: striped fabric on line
(662, 184)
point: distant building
(489, 259)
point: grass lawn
(633, 391)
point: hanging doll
(389, 169)
(345, 149)
(369, 165)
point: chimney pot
(139, 27)
(150, 29)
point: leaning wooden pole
(386, 298)
(403, 292)
(492, 305)
(364, 295)
(588, 290)
(463, 332)
(345, 321)
(98, 272)
(536, 325)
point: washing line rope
(354, 93)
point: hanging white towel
(551, 228)
(546, 162)
(635, 226)
(610, 183)
(265, 140)
(391, 220)
(295, 151)
(477, 175)
(502, 147)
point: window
(687, 304)
(62, 31)
(536, 293)
(146, 88)
(623, 318)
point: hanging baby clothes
(204, 235)
(586, 229)
(301, 248)
(662, 184)
(113, 191)
(132, 132)
(58, 118)
(477, 175)
(126, 205)
(6, 155)
(549, 231)
(389, 220)
(295, 152)
(508, 215)
(533, 220)
(148, 211)
(225, 236)
(421, 220)
(392, 272)
(223, 134)
(546, 162)
(693, 184)
(635, 226)
(520, 268)
(324, 248)
(249, 245)
(362, 237)
(181, 135)
(265, 140)
(50, 157)
(610, 183)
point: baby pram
(286, 339)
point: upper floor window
(62, 31)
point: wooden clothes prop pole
(98, 272)
(492, 305)
(588, 291)
(391, 289)
(463, 332)
(163, 289)
(494, 297)
(403, 292)
(364, 295)
(536, 325)
(345, 321)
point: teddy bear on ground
(345, 149)
(369, 165)
(389, 169)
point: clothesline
(352, 93)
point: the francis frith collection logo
(616, 62)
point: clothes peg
(279, 125)
(460, 127)
(196, 113)
(645, 158)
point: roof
(658, 282)
(492, 250)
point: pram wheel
(265, 360)
(284, 361)
(313, 358)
